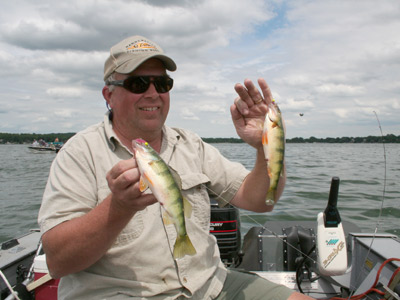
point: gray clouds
(336, 62)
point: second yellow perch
(273, 140)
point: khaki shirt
(140, 263)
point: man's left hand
(249, 109)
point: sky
(335, 62)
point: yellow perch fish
(156, 175)
(273, 140)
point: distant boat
(301, 114)
(42, 147)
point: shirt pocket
(134, 227)
(132, 230)
(194, 189)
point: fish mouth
(272, 113)
(139, 144)
(139, 141)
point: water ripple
(310, 167)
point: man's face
(140, 114)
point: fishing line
(384, 177)
(307, 255)
(263, 227)
(381, 208)
(14, 293)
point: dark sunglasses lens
(140, 84)
(163, 84)
(136, 85)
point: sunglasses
(140, 84)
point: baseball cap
(130, 53)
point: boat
(43, 147)
(286, 252)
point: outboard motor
(225, 226)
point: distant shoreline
(389, 138)
(27, 138)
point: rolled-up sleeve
(70, 190)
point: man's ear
(107, 94)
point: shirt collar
(169, 141)
(170, 138)
(110, 134)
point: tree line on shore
(389, 138)
(27, 138)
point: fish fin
(143, 185)
(176, 177)
(187, 208)
(265, 137)
(264, 141)
(183, 246)
(283, 127)
(282, 174)
(166, 218)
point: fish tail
(183, 246)
(270, 199)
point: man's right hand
(123, 181)
(76, 244)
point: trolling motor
(331, 240)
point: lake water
(310, 167)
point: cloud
(340, 89)
(66, 113)
(341, 112)
(41, 119)
(298, 104)
(332, 61)
(64, 92)
(187, 114)
(210, 107)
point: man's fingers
(121, 167)
(249, 95)
(241, 106)
(123, 174)
(265, 90)
(127, 178)
(253, 92)
(144, 200)
(244, 95)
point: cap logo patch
(139, 46)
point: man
(105, 238)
